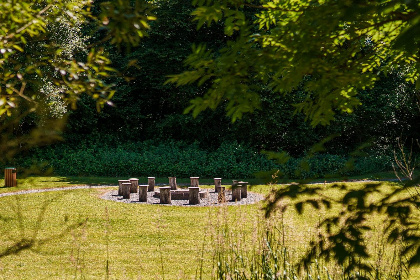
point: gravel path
(210, 200)
(53, 190)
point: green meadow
(74, 234)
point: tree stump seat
(182, 194)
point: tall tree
(46, 64)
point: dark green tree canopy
(330, 48)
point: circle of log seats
(126, 190)
(143, 193)
(165, 195)
(217, 184)
(134, 185)
(194, 197)
(244, 189)
(221, 197)
(10, 177)
(172, 183)
(120, 182)
(236, 192)
(194, 182)
(151, 182)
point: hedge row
(230, 160)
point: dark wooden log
(143, 193)
(221, 198)
(217, 184)
(126, 190)
(236, 192)
(165, 195)
(194, 182)
(134, 185)
(120, 185)
(244, 189)
(172, 183)
(151, 181)
(194, 195)
(10, 177)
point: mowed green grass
(131, 241)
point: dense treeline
(148, 112)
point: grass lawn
(38, 239)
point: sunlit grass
(131, 241)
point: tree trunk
(165, 195)
(194, 195)
(151, 182)
(143, 193)
(126, 190)
(194, 182)
(120, 192)
(217, 184)
(134, 185)
(10, 177)
(172, 183)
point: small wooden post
(165, 195)
(120, 186)
(143, 193)
(126, 190)
(235, 182)
(151, 182)
(244, 189)
(236, 192)
(221, 198)
(10, 177)
(194, 182)
(194, 195)
(134, 185)
(172, 183)
(217, 184)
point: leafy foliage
(322, 46)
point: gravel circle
(210, 200)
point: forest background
(146, 133)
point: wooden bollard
(165, 195)
(217, 184)
(134, 185)
(10, 177)
(194, 195)
(244, 189)
(172, 183)
(194, 182)
(126, 190)
(143, 193)
(151, 182)
(221, 197)
(120, 182)
(236, 192)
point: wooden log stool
(194, 182)
(236, 192)
(244, 189)
(172, 183)
(134, 185)
(126, 190)
(151, 182)
(10, 177)
(120, 182)
(194, 195)
(221, 197)
(217, 184)
(143, 193)
(165, 195)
